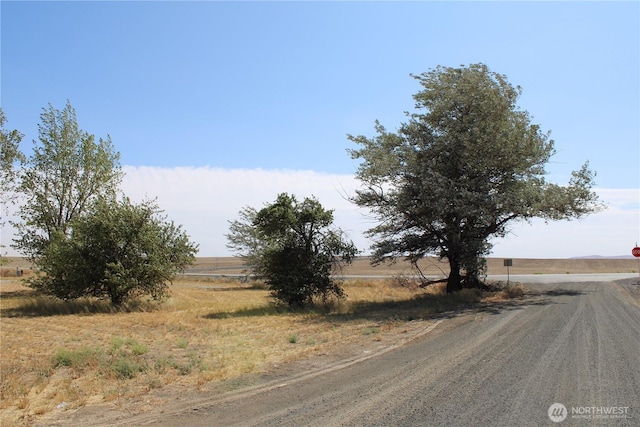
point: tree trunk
(453, 282)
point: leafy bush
(294, 248)
(118, 251)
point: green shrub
(117, 251)
(78, 358)
(126, 368)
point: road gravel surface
(576, 345)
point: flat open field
(212, 333)
(432, 266)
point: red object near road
(636, 251)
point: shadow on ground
(420, 307)
(31, 304)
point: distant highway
(564, 278)
(519, 278)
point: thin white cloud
(204, 199)
(611, 232)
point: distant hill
(603, 257)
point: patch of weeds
(139, 349)
(77, 359)
(203, 333)
(161, 365)
(122, 359)
(154, 383)
(116, 343)
(126, 368)
(120, 346)
(293, 338)
(43, 371)
(177, 328)
(186, 368)
(311, 341)
(195, 360)
(182, 343)
(371, 330)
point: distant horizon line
(493, 257)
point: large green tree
(294, 247)
(67, 171)
(116, 250)
(464, 165)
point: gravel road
(577, 344)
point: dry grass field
(58, 356)
(433, 266)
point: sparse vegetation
(145, 347)
(208, 331)
(370, 330)
(77, 359)
(122, 360)
(516, 291)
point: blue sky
(209, 90)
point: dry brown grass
(511, 292)
(58, 353)
(502, 293)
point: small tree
(67, 171)
(293, 246)
(244, 238)
(464, 166)
(117, 251)
(10, 158)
